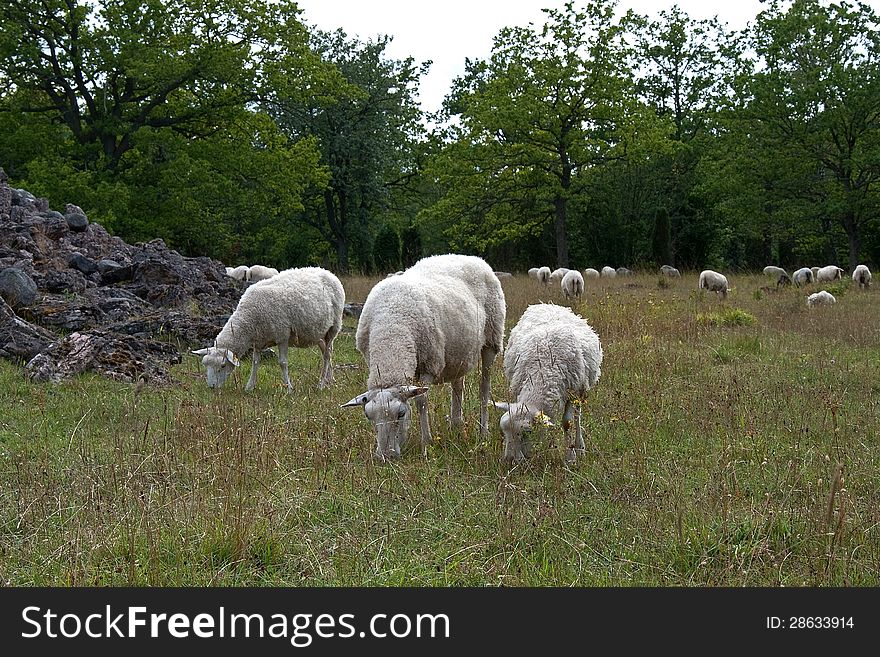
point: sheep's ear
(501, 406)
(412, 391)
(360, 400)
(201, 352)
(232, 358)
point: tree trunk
(851, 226)
(561, 203)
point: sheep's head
(388, 409)
(517, 425)
(218, 364)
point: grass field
(728, 443)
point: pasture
(729, 443)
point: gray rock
(20, 339)
(79, 262)
(17, 288)
(76, 221)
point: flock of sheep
(434, 323)
(430, 324)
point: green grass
(711, 454)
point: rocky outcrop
(80, 299)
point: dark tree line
(230, 128)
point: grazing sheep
(775, 272)
(829, 273)
(260, 273)
(623, 271)
(671, 272)
(573, 284)
(503, 274)
(608, 272)
(544, 275)
(784, 280)
(820, 298)
(815, 271)
(802, 276)
(533, 273)
(299, 306)
(557, 274)
(238, 273)
(714, 282)
(862, 276)
(591, 273)
(553, 358)
(435, 323)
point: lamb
(260, 273)
(820, 298)
(608, 272)
(591, 273)
(544, 275)
(303, 306)
(829, 273)
(238, 273)
(557, 274)
(862, 276)
(714, 282)
(573, 284)
(802, 276)
(553, 358)
(671, 272)
(435, 323)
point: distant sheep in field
(802, 276)
(573, 284)
(302, 307)
(533, 273)
(815, 271)
(440, 319)
(608, 272)
(671, 272)
(784, 280)
(553, 358)
(589, 272)
(501, 274)
(862, 276)
(829, 273)
(774, 272)
(623, 271)
(557, 274)
(238, 273)
(260, 273)
(544, 275)
(714, 282)
(820, 299)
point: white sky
(447, 31)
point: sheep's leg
(456, 419)
(326, 346)
(252, 380)
(487, 356)
(572, 449)
(424, 426)
(282, 362)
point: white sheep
(238, 273)
(820, 298)
(572, 284)
(714, 282)
(802, 276)
(260, 273)
(623, 271)
(302, 307)
(433, 324)
(862, 276)
(815, 271)
(774, 272)
(553, 358)
(557, 274)
(608, 272)
(589, 272)
(670, 271)
(533, 273)
(544, 275)
(829, 273)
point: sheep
(608, 272)
(820, 298)
(238, 273)
(802, 276)
(784, 280)
(553, 358)
(544, 275)
(671, 272)
(774, 271)
(299, 306)
(557, 274)
(623, 271)
(815, 271)
(533, 273)
(573, 284)
(503, 274)
(862, 276)
(829, 273)
(714, 282)
(591, 273)
(260, 273)
(433, 324)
